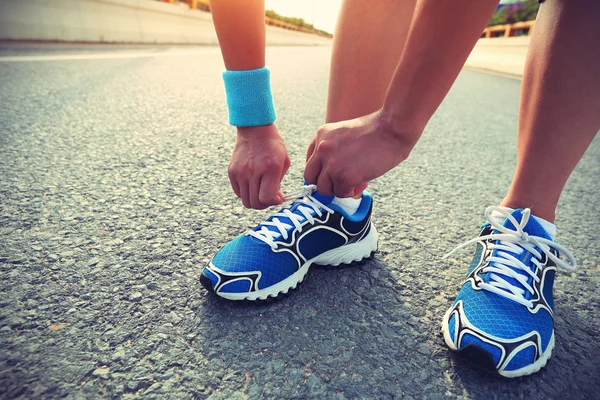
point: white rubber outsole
(528, 370)
(346, 254)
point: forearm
(240, 26)
(441, 37)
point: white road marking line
(105, 56)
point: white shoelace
(516, 241)
(308, 207)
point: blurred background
(179, 22)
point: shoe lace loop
(307, 207)
(505, 265)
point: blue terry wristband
(249, 97)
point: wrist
(249, 97)
(257, 131)
(400, 124)
(404, 135)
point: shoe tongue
(294, 208)
(532, 228)
(323, 199)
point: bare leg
(368, 42)
(439, 40)
(560, 103)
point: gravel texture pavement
(114, 195)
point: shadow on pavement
(571, 373)
(344, 331)
(361, 332)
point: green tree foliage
(509, 14)
(299, 22)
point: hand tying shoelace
(306, 190)
(503, 265)
(306, 207)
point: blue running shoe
(502, 318)
(275, 256)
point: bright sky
(321, 13)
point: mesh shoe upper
(278, 247)
(245, 256)
(502, 308)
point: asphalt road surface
(114, 195)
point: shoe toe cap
(241, 285)
(220, 282)
(209, 280)
(483, 352)
(500, 339)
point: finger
(269, 186)
(234, 182)
(311, 149)
(236, 187)
(360, 188)
(280, 196)
(253, 189)
(325, 185)
(244, 192)
(347, 195)
(342, 189)
(312, 170)
(344, 194)
(286, 166)
(357, 190)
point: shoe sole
(347, 254)
(476, 358)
